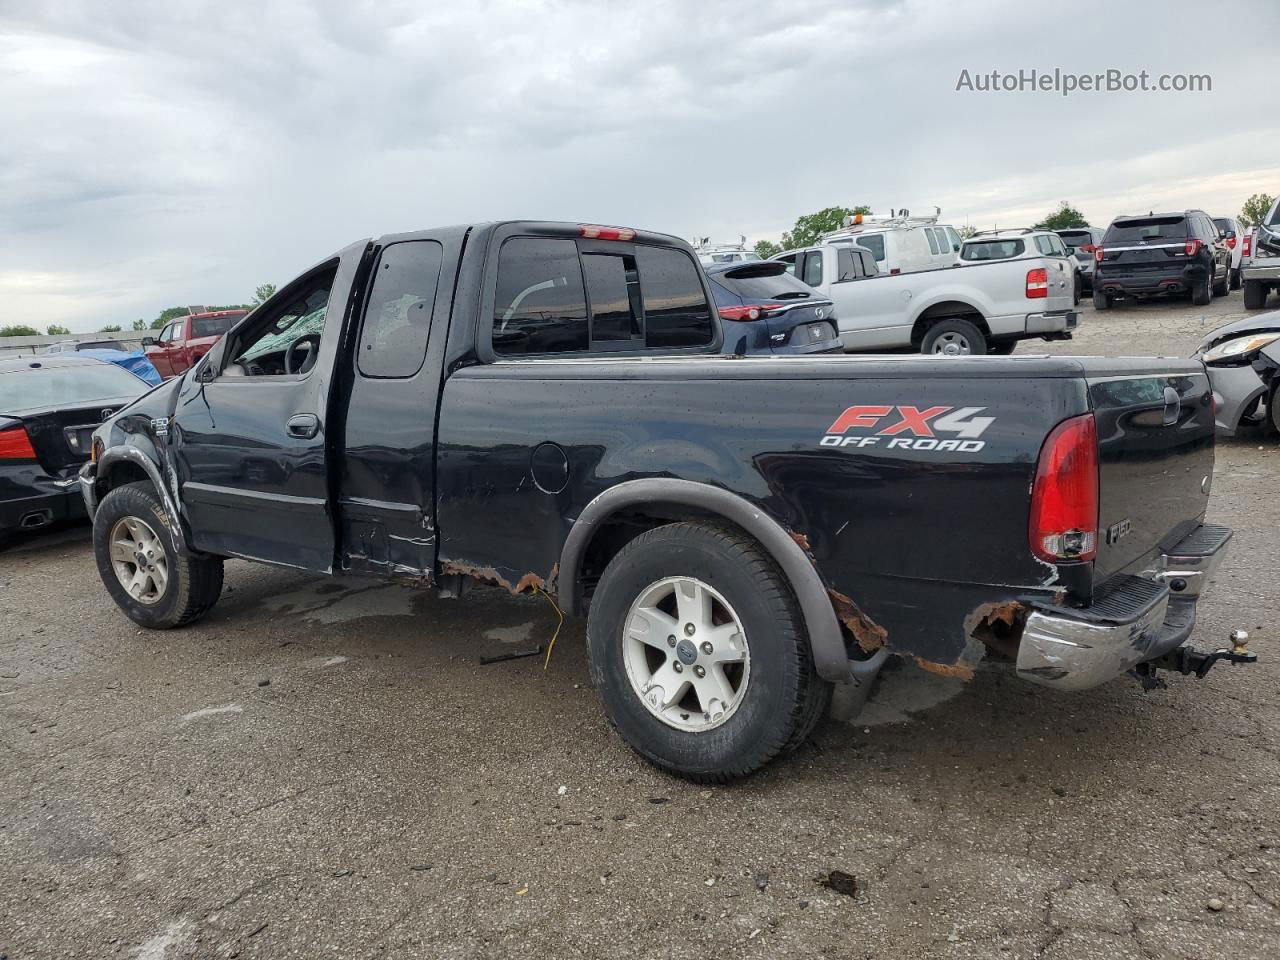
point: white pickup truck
(966, 309)
(1260, 267)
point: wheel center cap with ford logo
(687, 652)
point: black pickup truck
(541, 406)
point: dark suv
(1161, 254)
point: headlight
(1236, 349)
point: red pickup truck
(187, 339)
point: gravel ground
(323, 769)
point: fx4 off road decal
(909, 428)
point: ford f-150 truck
(541, 406)
(187, 339)
(962, 310)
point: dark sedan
(765, 310)
(49, 406)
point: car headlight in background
(1237, 349)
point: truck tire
(1078, 290)
(135, 545)
(1101, 300)
(702, 609)
(1235, 278)
(954, 338)
(1202, 293)
(1255, 295)
(1273, 410)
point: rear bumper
(1132, 620)
(34, 501)
(1173, 279)
(1270, 273)
(1058, 321)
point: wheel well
(121, 473)
(947, 310)
(625, 525)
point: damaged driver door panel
(249, 428)
(386, 500)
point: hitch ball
(1239, 641)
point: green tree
(967, 231)
(166, 315)
(19, 330)
(1064, 218)
(56, 331)
(110, 328)
(140, 324)
(810, 227)
(1255, 209)
(766, 249)
(263, 292)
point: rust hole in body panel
(998, 626)
(869, 634)
(529, 581)
(801, 541)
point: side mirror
(149, 341)
(955, 247)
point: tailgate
(1155, 456)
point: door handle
(304, 426)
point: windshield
(1147, 228)
(212, 326)
(768, 280)
(39, 387)
(992, 250)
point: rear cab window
(983, 250)
(557, 295)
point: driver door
(249, 435)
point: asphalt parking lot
(324, 769)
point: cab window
(813, 268)
(541, 304)
(284, 339)
(676, 312)
(397, 319)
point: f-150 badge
(909, 428)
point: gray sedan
(1228, 354)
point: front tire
(1255, 295)
(954, 338)
(700, 653)
(135, 544)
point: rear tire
(1101, 301)
(1201, 293)
(954, 338)
(1235, 279)
(135, 544)
(774, 696)
(1078, 292)
(1255, 295)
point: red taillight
(1247, 249)
(594, 231)
(1192, 248)
(1099, 254)
(1037, 283)
(1064, 497)
(1088, 247)
(895, 271)
(16, 445)
(754, 312)
(1231, 243)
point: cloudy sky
(162, 153)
